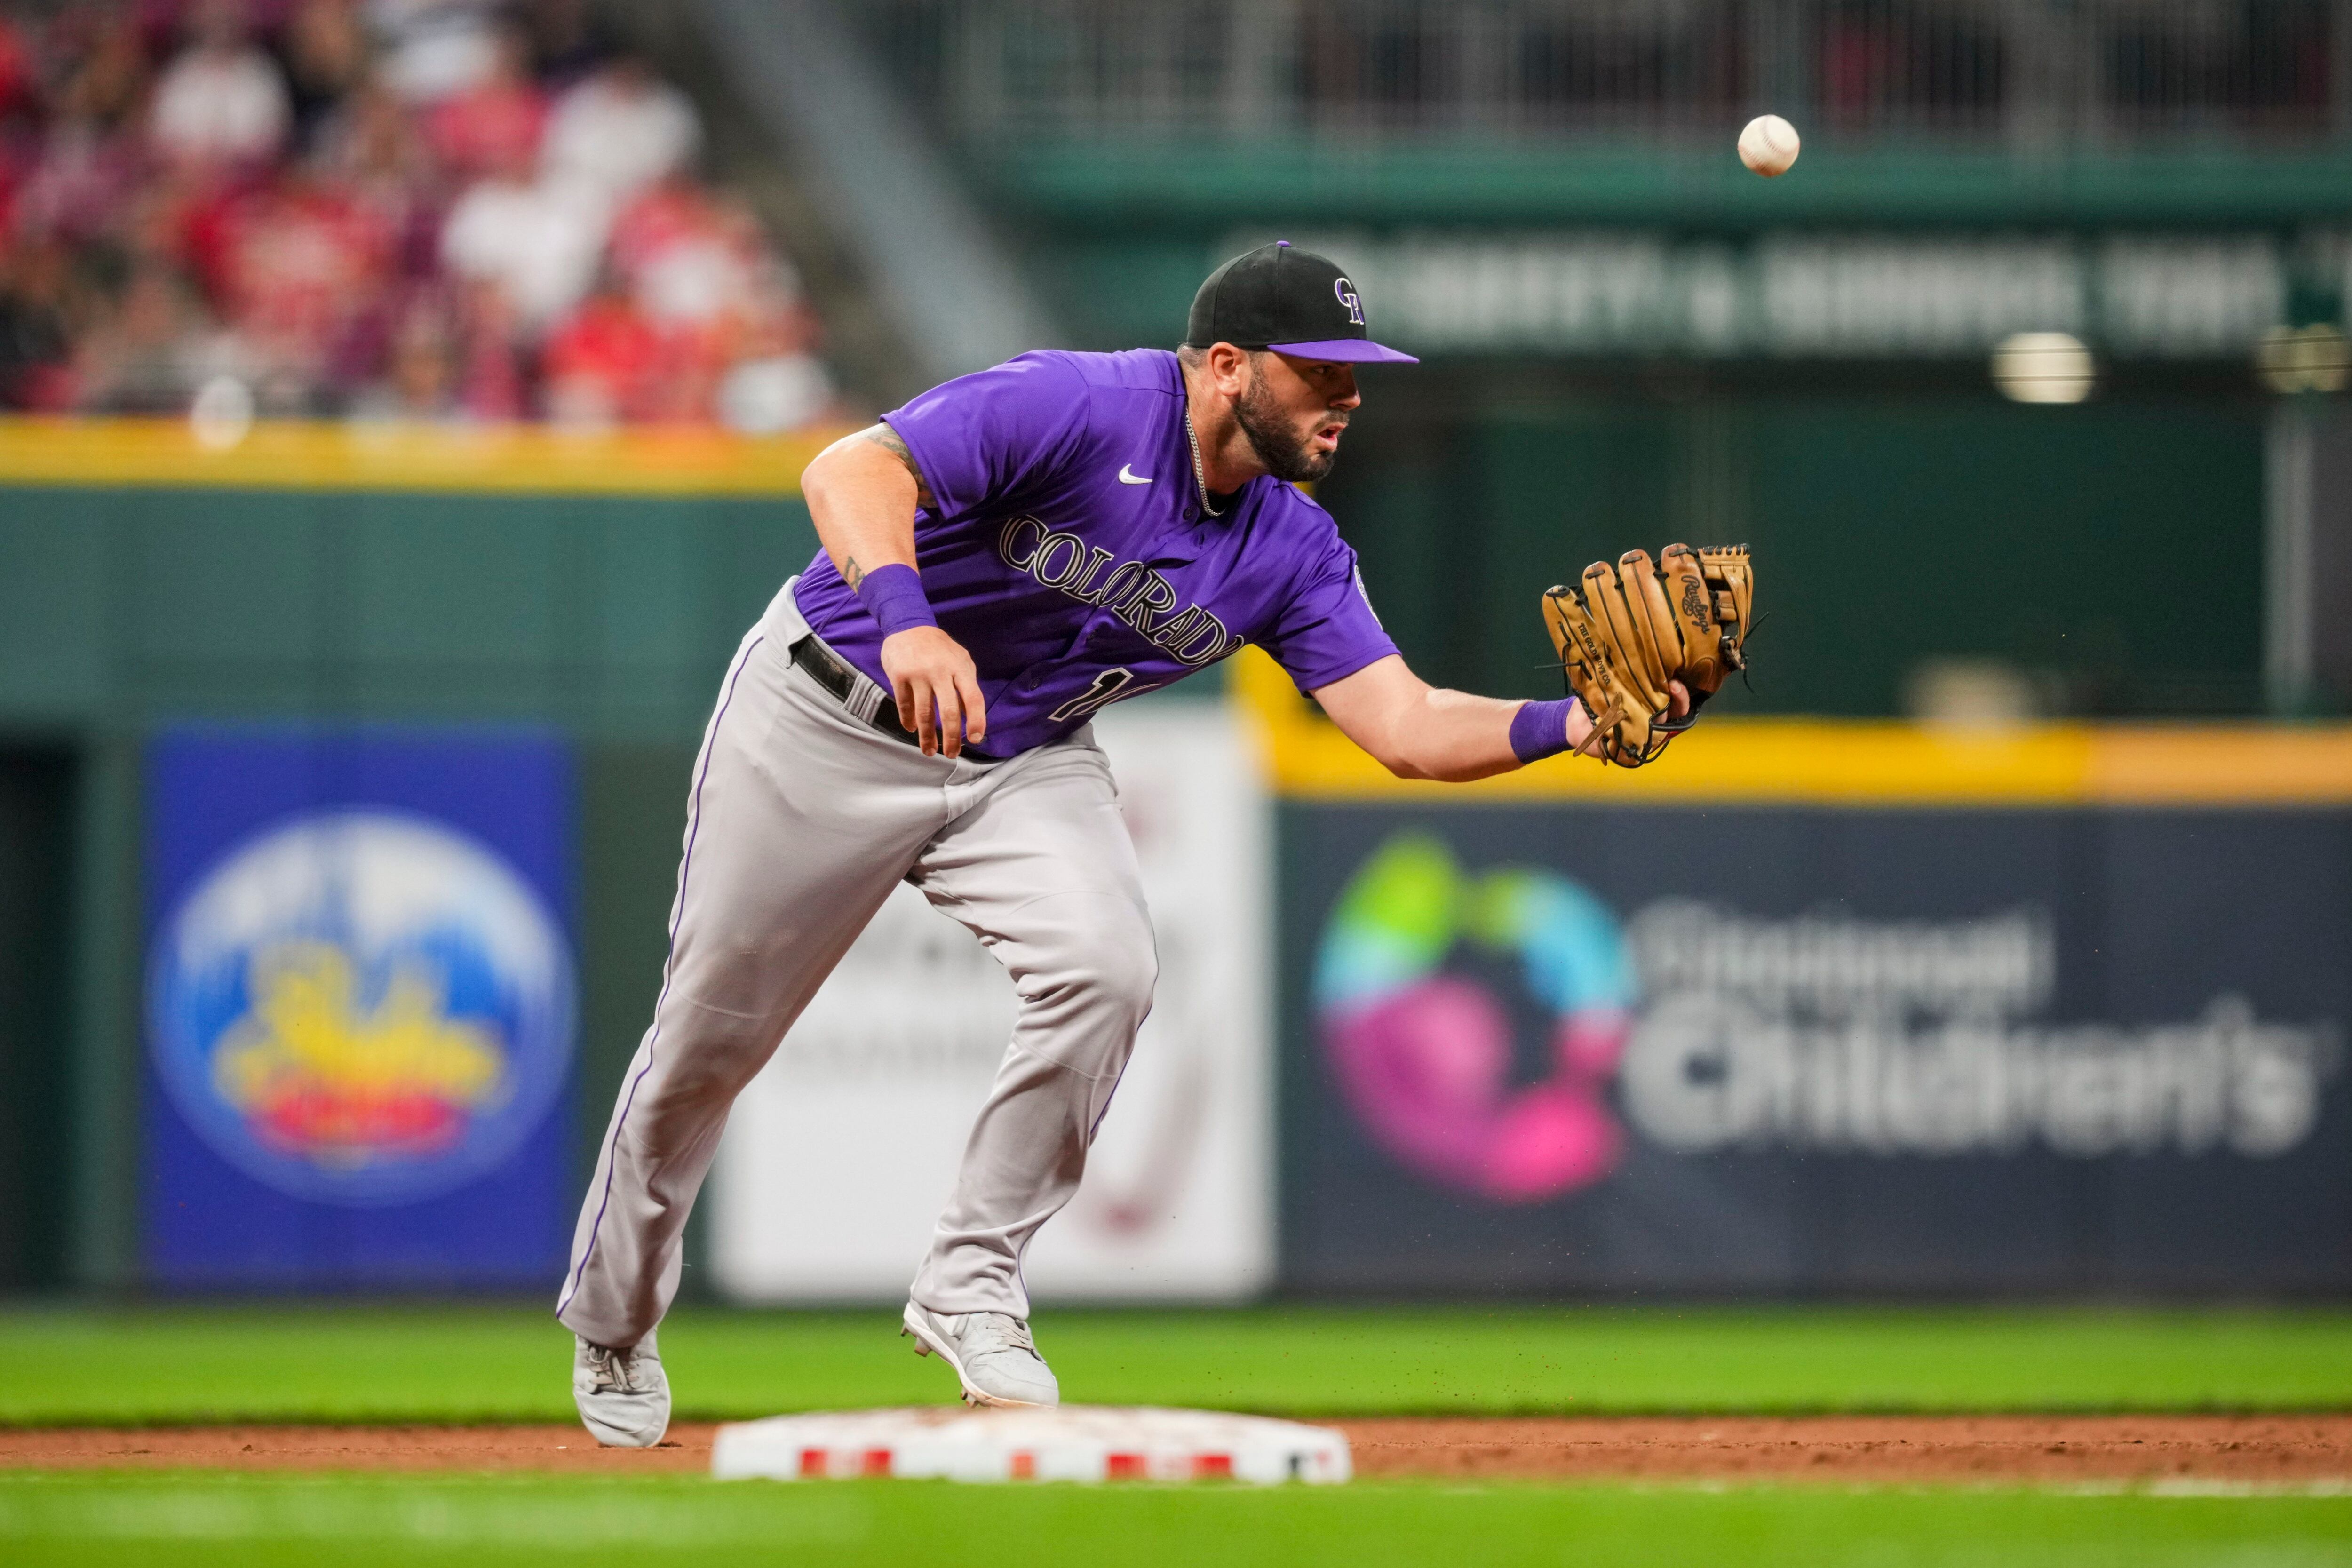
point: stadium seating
(423, 210)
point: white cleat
(993, 1354)
(623, 1395)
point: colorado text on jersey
(1134, 592)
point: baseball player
(1003, 556)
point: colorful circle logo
(1424, 1057)
(361, 1007)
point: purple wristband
(893, 594)
(1539, 729)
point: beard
(1287, 455)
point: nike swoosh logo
(1128, 475)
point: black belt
(829, 670)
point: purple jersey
(1067, 550)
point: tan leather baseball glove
(1624, 633)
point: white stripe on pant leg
(806, 821)
(677, 912)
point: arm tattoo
(852, 572)
(887, 439)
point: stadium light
(2043, 367)
(2303, 359)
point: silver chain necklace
(1200, 474)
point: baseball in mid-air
(1769, 145)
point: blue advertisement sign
(360, 1008)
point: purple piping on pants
(685, 869)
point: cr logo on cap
(1346, 292)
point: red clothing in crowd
(494, 126)
(605, 362)
(297, 263)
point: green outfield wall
(316, 577)
(597, 588)
(2074, 544)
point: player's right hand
(938, 689)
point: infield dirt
(2256, 1449)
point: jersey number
(1108, 687)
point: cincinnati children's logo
(1816, 1033)
(361, 1007)
(1422, 1046)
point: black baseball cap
(1294, 301)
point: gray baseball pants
(799, 822)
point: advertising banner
(839, 1156)
(1832, 293)
(1783, 1050)
(359, 1009)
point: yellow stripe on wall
(308, 455)
(1861, 763)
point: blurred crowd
(401, 209)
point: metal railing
(1986, 71)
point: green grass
(259, 1520)
(355, 1364)
(327, 1364)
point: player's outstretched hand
(938, 689)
